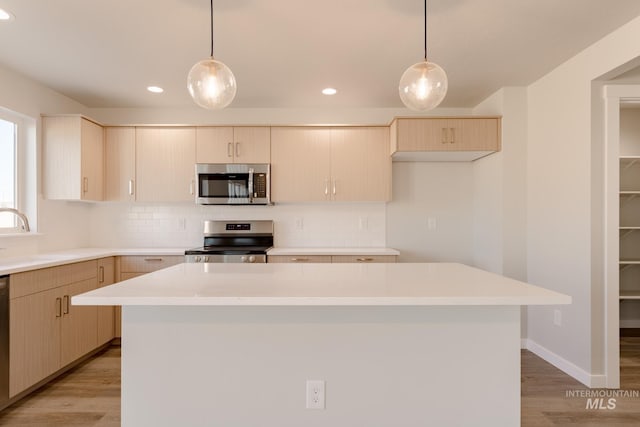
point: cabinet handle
(131, 187)
(153, 259)
(101, 275)
(58, 307)
(237, 149)
(192, 184)
(230, 149)
(85, 184)
(444, 136)
(334, 187)
(326, 187)
(453, 135)
(66, 304)
(299, 259)
(364, 259)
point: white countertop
(19, 264)
(332, 251)
(385, 284)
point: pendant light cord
(211, 9)
(425, 29)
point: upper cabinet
(251, 144)
(444, 139)
(165, 158)
(330, 164)
(120, 163)
(73, 158)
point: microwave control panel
(260, 185)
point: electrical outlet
(431, 223)
(299, 223)
(557, 317)
(315, 394)
(363, 223)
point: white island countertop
(385, 284)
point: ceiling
(283, 52)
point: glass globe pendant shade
(423, 86)
(211, 84)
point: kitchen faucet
(23, 217)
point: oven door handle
(250, 185)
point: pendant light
(210, 82)
(423, 85)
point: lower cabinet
(130, 266)
(106, 314)
(46, 331)
(331, 258)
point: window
(8, 175)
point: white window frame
(18, 164)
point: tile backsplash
(180, 224)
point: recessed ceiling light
(5, 16)
(329, 91)
(155, 89)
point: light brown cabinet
(331, 258)
(130, 266)
(462, 138)
(120, 163)
(46, 331)
(330, 164)
(165, 158)
(73, 158)
(250, 144)
(106, 314)
(299, 258)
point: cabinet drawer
(31, 282)
(363, 258)
(147, 264)
(299, 258)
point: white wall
(440, 192)
(61, 224)
(561, 225)
(500, 189)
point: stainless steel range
(233, 241)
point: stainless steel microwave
(233, 184)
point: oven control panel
(238, 227)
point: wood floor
(89, 395)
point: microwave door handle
(250, 185)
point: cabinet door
(79, 323)
(363, 259)
(92, 161)
(299, 259)
(300, 164)
(106, 314)
(423, 135)
(165, 159)
(252, 144)
(360, 164)
(480, 134)
(214, 145)
(34, 338)
(120, 161)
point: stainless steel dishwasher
(4, 340)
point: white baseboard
(591, 381)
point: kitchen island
(392, 344)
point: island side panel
(383, 366)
